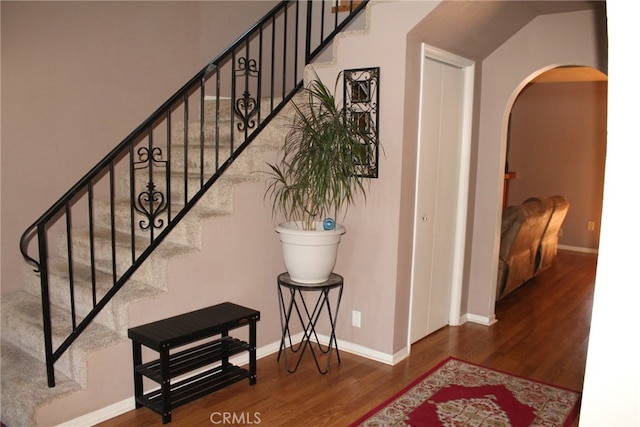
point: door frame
(468, 68)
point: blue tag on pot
(329, 224)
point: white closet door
(437, 196)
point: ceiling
(454, 26)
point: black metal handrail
(158, 173)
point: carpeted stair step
(217, 200)
(275, 132)
(22, 326)
(201, 166)
(227, 123)
(150, 272)
(208, 158)
(24, 383)
(220, 132)
(224, 107)
(222, 104)
(114, 316)
(183, 233)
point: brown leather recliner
(549, 244)
(522, 232)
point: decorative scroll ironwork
(361, 102)
(151, 202)
(147, 156)
(246, 107)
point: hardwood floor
(541, 333)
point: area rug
(458, 393)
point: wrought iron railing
(147, 183)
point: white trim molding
(468, 68)
(481, 320)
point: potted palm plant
(315, 180)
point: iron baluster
(168, 174)
(259, 87)
(284, 53)
(43, 270)
(233, 102)
(273, 58)
(217, 126)
(202, 131)
(185, 141)
(72, 302)
(112, 217)
(92, 259)
(132, 197)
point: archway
(556, 139)
(556, 144)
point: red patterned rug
(457, 393)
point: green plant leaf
(318, 172)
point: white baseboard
(578, 249)
(368, 353)
(128, 404)
(102, 415)
(482, 320)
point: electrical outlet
(355, 319)
(591, 225)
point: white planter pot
(309, 256)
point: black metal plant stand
(309, 320)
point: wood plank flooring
(541, 333)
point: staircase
(107, 244)
(22, 349)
